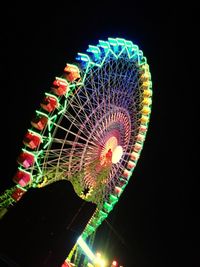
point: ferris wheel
(89, 129)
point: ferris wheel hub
(112, 152)
(117, 154)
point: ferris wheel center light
(117, 154)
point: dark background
(155, 223)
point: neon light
(94, 49)
(83, 57)
(104, 44)
(86, 249)
(121, 41)
(113, 41)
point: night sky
(152, 224)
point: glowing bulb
(99, 261)
(114, 263)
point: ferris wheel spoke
(88, 89)
(74, 134)
(51, 165)
(65, 142)
(79, 116)
(105, 90)
(101, 92)
(114, 170)
(123, 95)
(76, 124)
(121, 166)
(63, 154)
(93, 120)
(95, 89)
(83, 112)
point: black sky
(150, 225)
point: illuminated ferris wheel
(90, 128)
